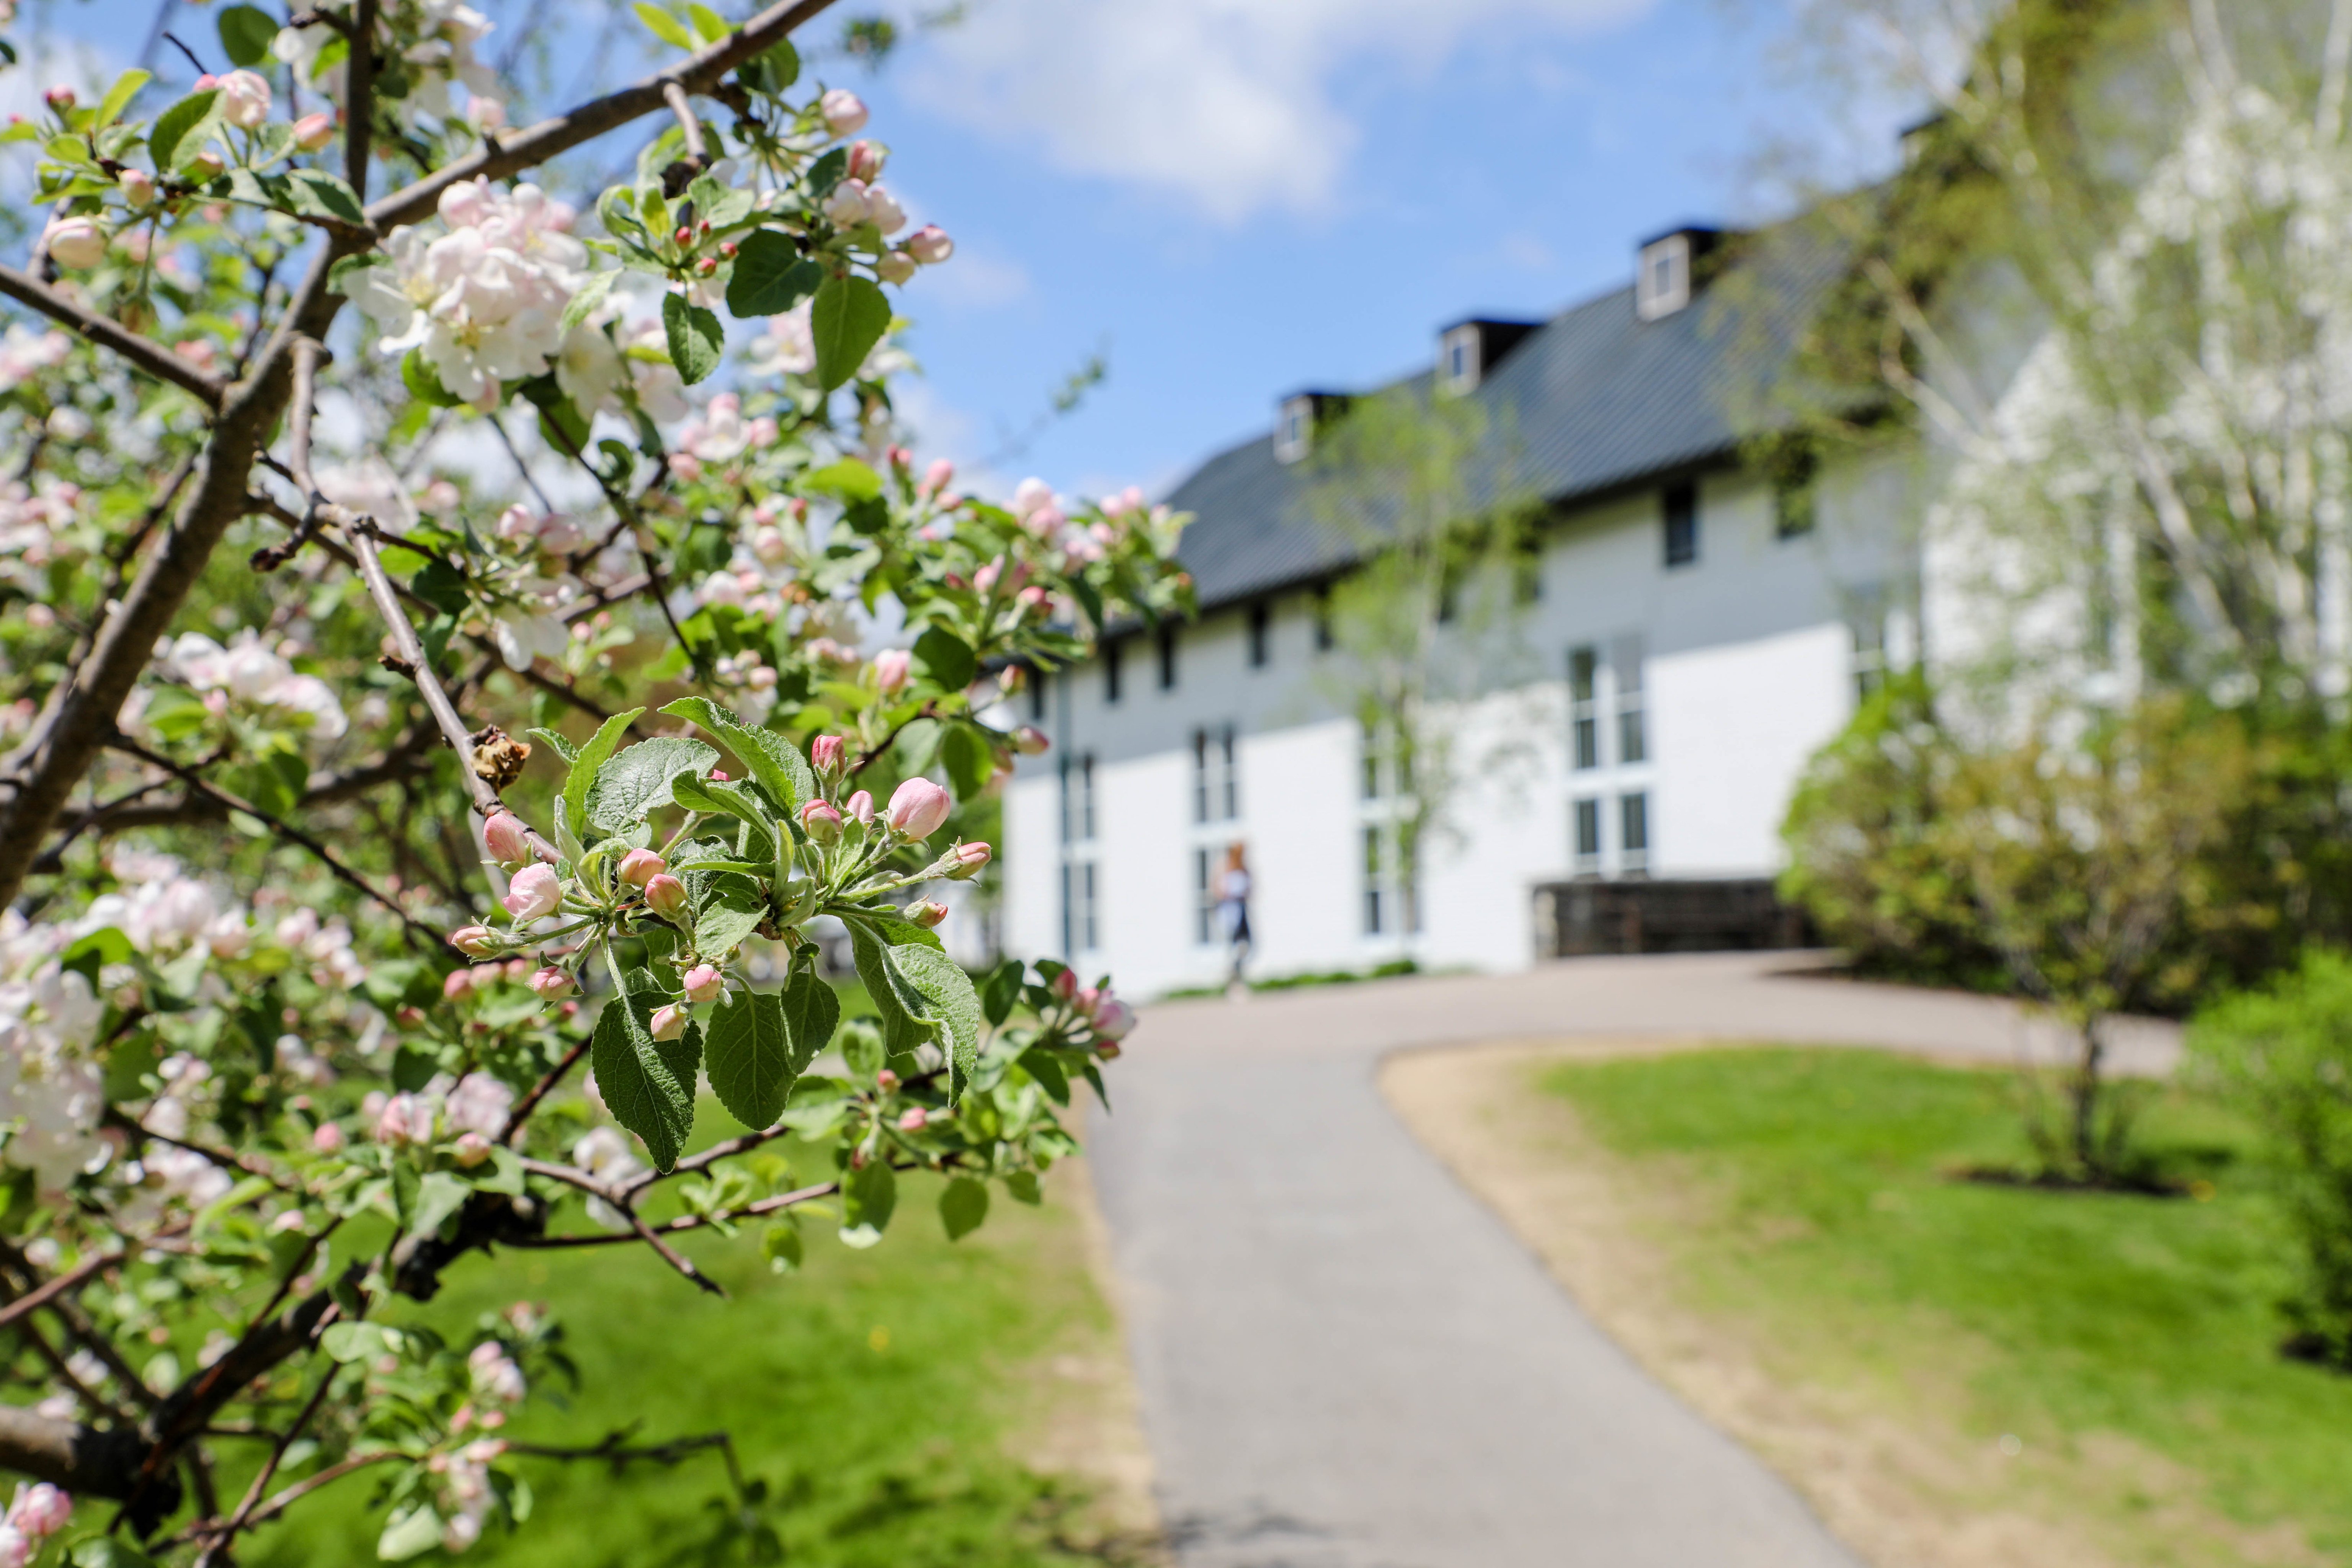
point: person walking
(1233, 909)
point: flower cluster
(36, 1512)
(250, 678)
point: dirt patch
(1887, 1467)
(1085, 1424)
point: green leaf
(647, 1083)
(638, 780)
(774, 760)
(921, 992)
(88, 956)
(773, 71)
(708, 25)
(1002, 993)
(181, 130)
(1023, 1185)
(782, 1245)
(245, 33)
(770, 275)
(970, 761)
(348, 1342)
(664, 26)
(695, 338)
(591, 295)
(318, 193)
(963, 1204)
(849, 479)
(946, 658)
(411, 1532)
(556, 743)
(849, 319)
(424, 383)
(441, 585)
(868, 1197)
(438, 1196)
(576, 783)
(729, 907)
(761, 1041)
(118, 97)
(107, 1552)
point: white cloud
(1229, 102)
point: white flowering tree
(389, 852)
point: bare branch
(144, 352)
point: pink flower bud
(41, 1509)
(509, 840)
(771, 545)
(518, 522)
(844, 114)
(1113, 1019)
(883, 211)
(1083, 1003)
(245, 99)
(846, 205)
(937, 476)
(639, 866)
(137, 186)
(822, 822)
(918, 807)
(967, 859)
(327, 1138)
(915, 1119)
(670, 1023)
(59, 97)
(560, 536)
(551, 982)
(894, 267)
(313, 131)
(474, 941)
(403, 1118)
(865, 160)
(825, 752)
(471, 1149)
(75, 242)
(1030, 741)
(455, 984)
(206, 166)
(666, 896)
(1065, 984)
(886, 1080)
(926, 913)
(860, 808)
(703, 982)
(891, 667)
(931, 245)
(535, 892)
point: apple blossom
(918, 807)
(551, 982)
(137, 186)
(639, 866)
(927, 912)
(245, 99)
(883, 211)
(40, 1509)
(860, 809)
(536, 892)
(313, 131)
(666, 896)
(471, 1149)
(327, 1138)
(847, 205)
(1065, 984)
(844, 113)
(703, 982)
(76, 242)
(509, 840)
(865, 158)
(965, 860)
(1113, 1019)
(457, 983)
(931, 245)
(668, 1023)
(821, 821)
(891, 667)
(894, 267)
(1030, 741)
(62, 98)
(914, 1119)
(825, 754)
(473, 941)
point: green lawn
(1815, 1205)
(873, 1394)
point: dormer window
(1663, 284)
(1294, 430)
(1457, 359)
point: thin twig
(776, 1204)
(540, 1090)
(144, 352)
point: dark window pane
(1682, 524)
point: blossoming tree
(390, 845)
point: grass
(1388, 971)
(875, 1394)
(1822, 1216)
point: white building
(1700, 631)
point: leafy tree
(340, 773)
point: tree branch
(144, 353)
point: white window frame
(1463, 343)
(1294, 428)
(1663, 284)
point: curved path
(1346, 1361)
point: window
(1081, 923)
(1633, 831)
(1205, 897)
(1681, 504)
(1324, 638)
(1037, 679)
(1588, 837)
(1869, 653)
(1168, 659)
(1371, 881)
(1632, 735)
(1371, 754)
(1078, 799)
(1216, 775)
(1112, 648)
(1261, 619)
(1457, 359)
(1584, 706)
(1089, 935)
(1662, 285)
(1294, 429)
(1086, 796)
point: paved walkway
(1346, 1361)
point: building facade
(1692, 631)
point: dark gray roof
(1594, 399)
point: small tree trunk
(2086, 1100)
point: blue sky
(1235, 199)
